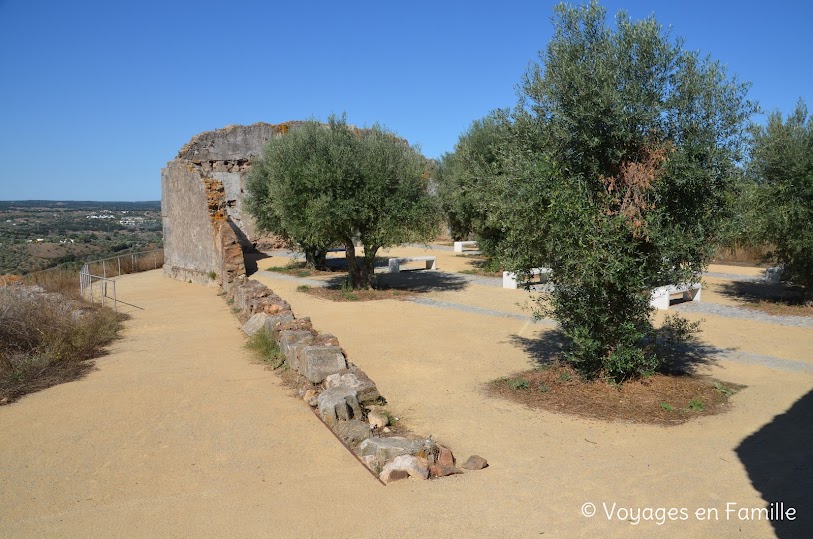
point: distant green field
(38, 234)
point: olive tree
(323, 184)
(782, 163)
(465, 177)
(633, 143)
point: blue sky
(96, 96)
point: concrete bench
(509, 278)
(395, 263)
(458, 245)
(660, 296)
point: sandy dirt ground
(178, 433)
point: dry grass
(65, 279)
(47, 339)
(659, 399)
(743, 256)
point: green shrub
(783, 167)
(518, 383)
(262, 343)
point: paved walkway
(179, 434)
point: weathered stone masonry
(206, 229)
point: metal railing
(86, 288)
(122, 264)
(135, 260)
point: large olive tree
(782, 164)
(628, 145)
(323, 184)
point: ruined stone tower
(206, 229)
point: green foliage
(464, 177)
(347, 291)
(564, 376)
(668, 407)
(518, 384)
(671, 339)
(263, 344)
(696, 404)
(727, 391)
(320, 185)
(615, 170)
(212, 275)
(782, 164)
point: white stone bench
(660, 296)
(458, 245)
(509, 278)
(774, 275)
(395, 263)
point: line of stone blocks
(343, 394)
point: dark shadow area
(779, 461)
(755, 291)
(55, 373)
(419, 281)
(423, 281)
(250, 259)
(245, 243)
(545, 349)
(684, 356)
(681, 358)
(339, 263)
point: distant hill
(148, 205)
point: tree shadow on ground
(250, 260)
(339, 263)
(779, 461)
(419, 281)
(423, 281)
(681, 358)
(545, 349)
(755, 291)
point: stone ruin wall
(206, 228)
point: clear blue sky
(96, 96)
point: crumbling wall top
(234, 142)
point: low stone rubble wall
(346, 399)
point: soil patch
(783, 309)
(659, 399)
(344, 294)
